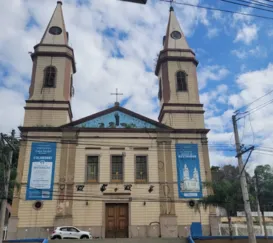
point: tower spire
(175, 38)
(55, 32)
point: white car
(70, 232)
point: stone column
(213, 219)
(168, 219)
(66, 179)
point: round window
(176, 35)
(55, 30)
(38, 205)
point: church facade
(115, 173)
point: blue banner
(41, 171)
(188, 171)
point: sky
(116, 45)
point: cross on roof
(117, 94)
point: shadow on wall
(227, 239)
(39, 240)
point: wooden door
(116, 220)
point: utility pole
(7, 169)
(258, 196)
(250, 228)
(258, 207)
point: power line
(247, 105)
(245, 5)
(257, 3)
(259, 107)
(220, 10)
(253, 136)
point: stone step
(126, 240)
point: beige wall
(93, 213)
(41, 93)
(29, 217)
(192, 95)
(35, 118)
(187, 121)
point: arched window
(181, 80)
(160, 90)
(50, 76)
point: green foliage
(226, 194)
(126, 125)
(112, 125)
(4, 160)
(264, 179)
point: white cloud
(270, 33)
(238, 18)
(257, 52)
(247, 33)
(12, 103)
(211, 73)
(212, 32)
(98, 72)
(253, 129)
(218, 158)
(239, 53)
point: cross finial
(117, 94)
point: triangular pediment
(116, 117)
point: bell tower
(51, 87)
(178, 86)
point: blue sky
(116, 45)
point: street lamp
(135, 1)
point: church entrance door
(116, 220)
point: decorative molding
(181, 105)
(52, 109)
(54, 45)
(54, 54)
(113, 130)
(114, 109)
(162, 112)
(176, 49)
(162, 60)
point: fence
(241, 230)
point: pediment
(116, 117)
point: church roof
(172, 29)
(116, 117)
(55, 32)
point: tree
(4, 151)
(263, 187)
(226, 191)
(264, 178)
(226, 194)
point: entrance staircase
(127, 240)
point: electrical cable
(245, 5)
(258, 108)
(220, 10)
(256, 3)
(253, 136)
(247, 105)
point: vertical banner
(41, 171)
(188, 171)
